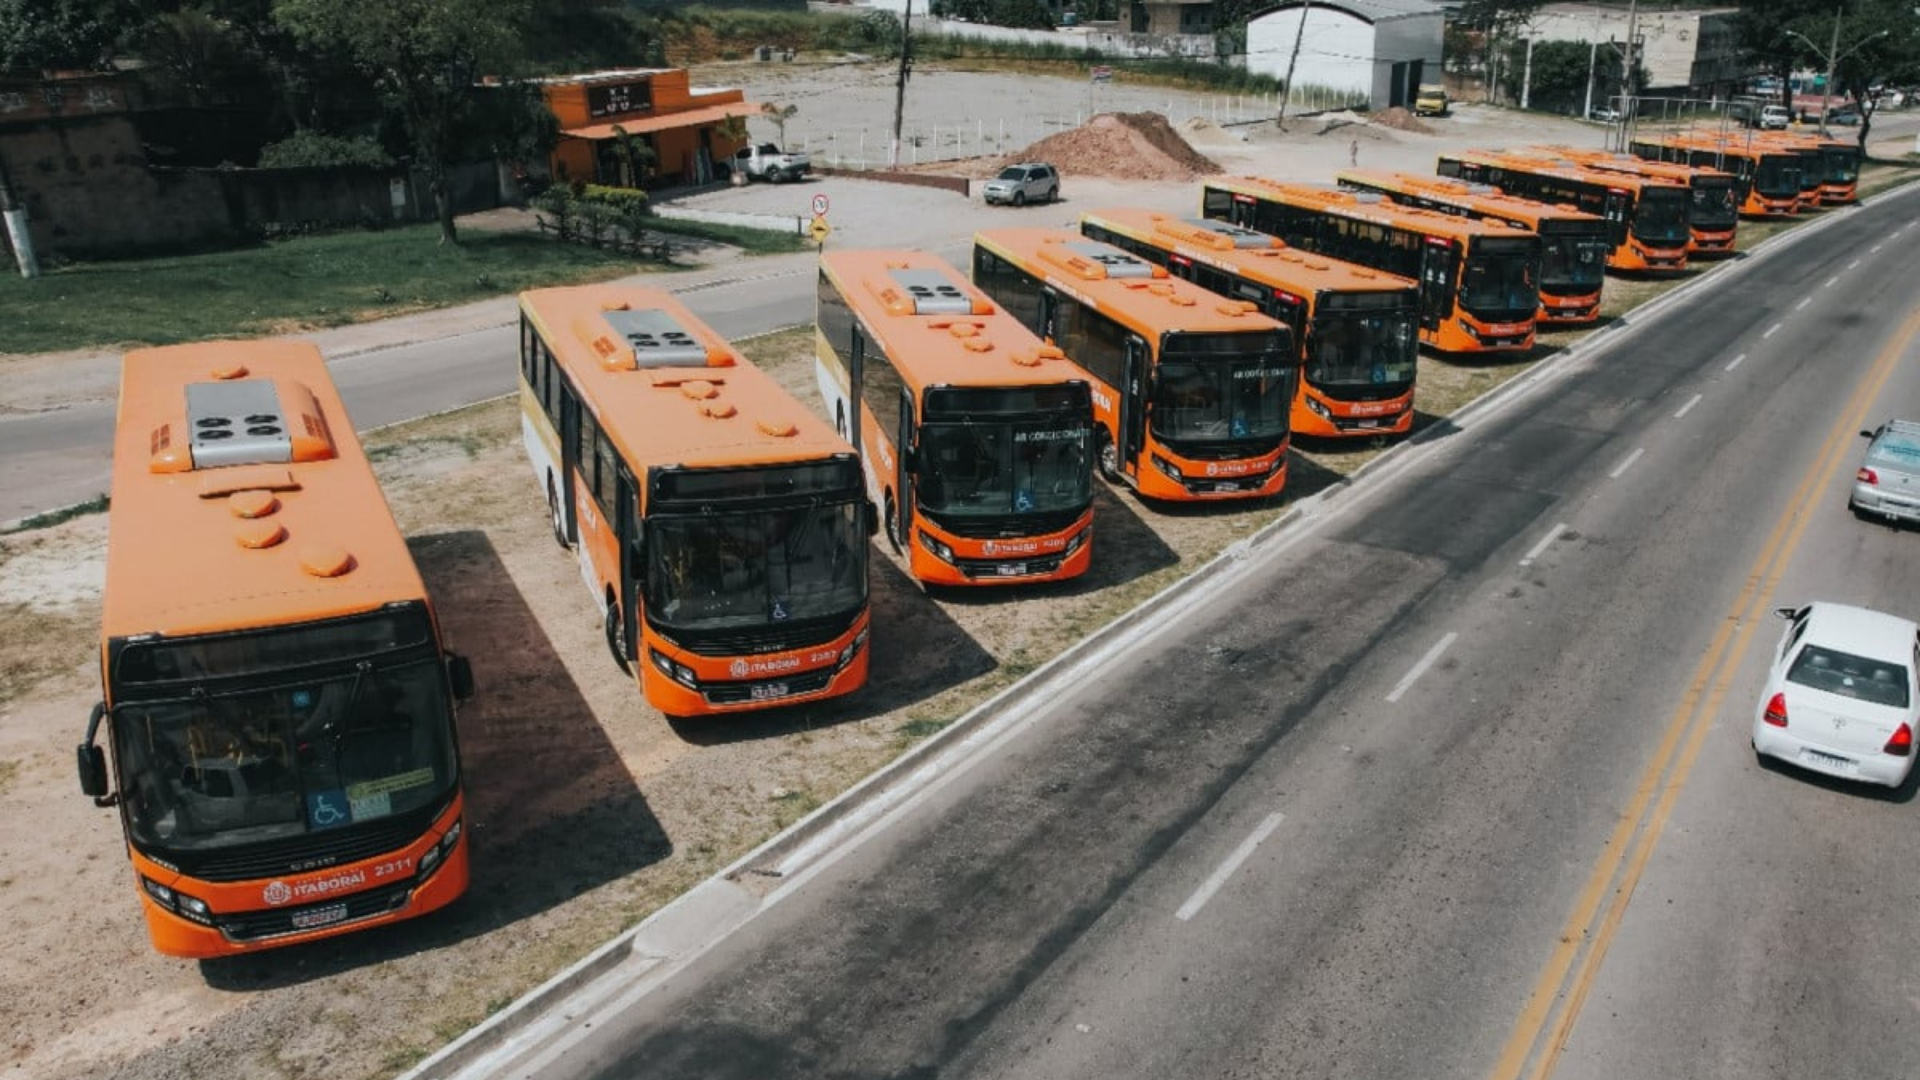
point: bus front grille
(1006, 526)
(758, 640)
(335, 911)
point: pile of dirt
(1119, 146)
(1400, 120)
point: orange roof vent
(253, 503)
(715, 410)
(699, 389)
(779, 429)
(230, 371)
(258, 534)
(326, 561)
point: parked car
(1604, 115)
(1029, 181)
(1840, 698)
(1887, 484)
(1430, 100)
(1844, 118)
(768, 162)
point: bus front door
(633, 562)
(903, 452)
(1436, 283)
(1133, 406)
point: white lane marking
(1735, 362)
(1620, 469)
(1874, 249)
(1225, 870)
(1854, 265)
(1830, 281)
(1805, 300)
(1688, 407)
(1771, 330)
(1420, 668)
(1545, 541)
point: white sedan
(1841, 697)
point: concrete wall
(1336, 48)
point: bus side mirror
(460, 676)
(93, 771)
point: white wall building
(1377, 50)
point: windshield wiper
(338, 727)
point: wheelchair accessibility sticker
(327, 808)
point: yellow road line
(1562, 983)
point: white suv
(1029, 181)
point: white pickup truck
(768, 162)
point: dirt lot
(588, 810)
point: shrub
(307, 149)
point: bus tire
(559, 520)
(617, 638)
(893, 526)
(1107, 459)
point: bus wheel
(559, 520)
(617, 638)
(1108, 458)
(893, 525)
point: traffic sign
(819, 229)
(1102, 73)
(820, 204)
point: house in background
(1379, 50)
(1685, 52)
(684, 128)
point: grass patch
(791, 805)
(95, 505)
(750, 240)
(917, 728)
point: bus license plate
(768, 691)
(1011, 569)
(320, 916)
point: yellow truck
(1431, 100)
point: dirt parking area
(588, 810)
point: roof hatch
(932, 292)
(657, 339)
(244, 422)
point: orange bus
(1837, 161)
(1766, 179)
(1713, 213)
(1647, 217)
(721, 526)
(975, 435)
(275, 690)
(1357, 328)
(1191, 392)
(1479, 280)
(1573, 243)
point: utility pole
(1286, 92)
(900, 87)
(1826, 90)
(16, 225)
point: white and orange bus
(721, 526)
(276, 694)
(1573, 243)
(1479, 280)
(1192, 392)
(1766, 179)
(1359, 346)
(975, 435)
(1713, 211)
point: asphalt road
(1451, 780)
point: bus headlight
(940, 550)
(1168, 469)
(674, 670)
(853, 647)
(189, 907)
(1077, 541)
(1319, 408)
(435, 855)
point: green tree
(42, 35)
(427, 58)
(779, 114)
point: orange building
(680, 123)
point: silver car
(1888, 482)
(1029, 181)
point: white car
(1841, 697)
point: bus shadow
(551, 810)
(916, 652)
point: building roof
(1370, 10)
(640, 125)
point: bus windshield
(1713, 203)
(995, 468)
(1778, 175)
(1661, 219)
(1500, 280)
(1370, 349)
(1843, 165)
(1212, 387)
(224, 767)
(1573, 263)
(720, 571)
